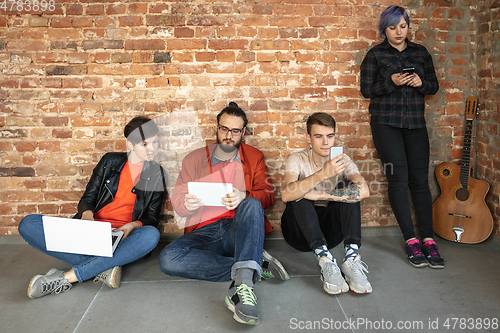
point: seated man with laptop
(322, 188)
(125, 189)
(223, 190)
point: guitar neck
(465, 166)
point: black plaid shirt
(399, 106)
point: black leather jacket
(103, 185)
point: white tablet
(211, 194)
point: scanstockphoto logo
(446, 324)
(358, 324)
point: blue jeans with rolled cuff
(215, 251)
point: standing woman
(398, 127)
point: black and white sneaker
(243, 302)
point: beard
(228, 146)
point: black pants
(306, 227)
(405, 155)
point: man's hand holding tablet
(232, 200)
(210, 194)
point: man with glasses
(225, 242)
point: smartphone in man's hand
(335, 151)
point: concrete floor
(150, 301)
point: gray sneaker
(354, 271)
(333, 282)
(272, 268)
(53, 282)
(111, 277)
(243, 302)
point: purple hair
(391, 17)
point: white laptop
(210, 194)
(80, 236)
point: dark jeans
(215, 251)
(405, 155)
(306, 227)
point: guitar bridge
(458, 233)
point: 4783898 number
(471, 323)
(28, 5)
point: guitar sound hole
(462, 194)
(446, 172)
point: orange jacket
(196, 166)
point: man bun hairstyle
(234, 110)
(139, 129)
(320, 118)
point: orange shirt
(120, 211)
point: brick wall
(73, 75)
(488, 167)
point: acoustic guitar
(460, 213)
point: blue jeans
(214, 252)
(136, 245)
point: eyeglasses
(234, 131)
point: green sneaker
(272, 268)
(53, 282)
(243, 302)
(111, 277)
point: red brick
(236, 44)
(158, 82)
(130, 21)
(147, 69)
(225, 56)
(270, 45)
(116, 9)
(138, 8)
(145, 44)
(94, 9)
(82, 22)
(205, 56)
(74, 9)
(100, 58)
(24, 146)
(51, 82)
(182, 56)
(308, 93)
(31, 45)
(61, 22)
(327, 21)
(165, 20)
(159, 8)
(72, 83)
(183, 32)
(105, 22)
(183, 44)
(62, 34)
(9, 83)
(142, 57)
